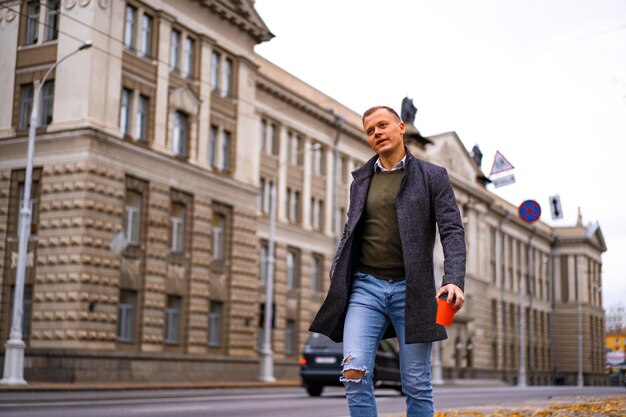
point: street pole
(267, 354)
(14, 352)
(505, 372)
(437, 370)
(531, 294)
(553, 310)
(581, 382)
(266, 372)
(521, 378)
(336, 228)
(521, 375)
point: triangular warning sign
(500, 164)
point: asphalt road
(260, 402)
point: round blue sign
(529, 211)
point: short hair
(375, 108)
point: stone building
(171, 132)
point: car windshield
(319, 340)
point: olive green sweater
(381, 250)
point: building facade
(616, 317)
(171, 133)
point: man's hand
(455, 294)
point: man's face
(384, 132)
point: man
(382, 277)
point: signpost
(500, 164)
(529, 211)
(505, 180)
(555, 207)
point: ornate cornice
(305, 106)
(242, 14)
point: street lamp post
(336, 223)
(14, 352)
(266, 373)
(267, 354)
(521, 379)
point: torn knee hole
(353, 374)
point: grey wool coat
(424, 202)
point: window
(288, 204)
(32, 23)
(318, 162)
(216, 57)
(126, 316)
(261, 328)
(175, 51)
(492, 254)
(130, 24)
(290, 337)
(52, 20)
(172, 320)
(141, 121)
(292, 269)
(228, 77)
(181, 129)
(294, 148)
(219, 241)
(26, 105)
(215, 324)
(317, 214)
(273, 139)
(134, 113)
(177, 218)
(269, 137)
(316, 272)
(213, 146)
(292, 205)
(265, 190)
(132, 218)
(226, 138)
(188, 58)
(47, 102)
(344, 169)
(320, 214)
(125, 111)
(261, 200)
(260, 336)
(263, 134)
(296, 206)
(263, 254)
(145, 42)
(27, 309)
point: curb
(106, 386)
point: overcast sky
(541, 81)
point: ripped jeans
(375, 304)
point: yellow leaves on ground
(605, 407)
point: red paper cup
(445, 312)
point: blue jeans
(374, 304)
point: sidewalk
(569, 407)
(120, 386)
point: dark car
(321, 365)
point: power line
(562, 44)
